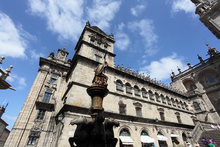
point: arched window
(144, 93)
(136, 91)
(128, 88)
(208, 77)
(146, 140)
(119, 85)
(151, 96)
(196, 106)
(189, 85)
(125, 138)
(144, 133)
(157, 97)
(124, 132)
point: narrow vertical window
(40, 115)
(33, 137)
(53, 78)
(138, 111)
(178, 117)
(47, 95)
(162, 116)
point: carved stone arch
(208, 77)
(189, 84)
(125, 127)
(145, 129)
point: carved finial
(8, 70)
(88, 23)
(200, 58)
(172, 73)
(1, 59)
(179, 69)
(189, 65)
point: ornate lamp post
(97, 131)
(4, 75)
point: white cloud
(103, 11)
(145, 28)
(11, 41)
(122, 41)
(67, 17)
(183, 5)
(35, 55)
(16, 81)
(161, 69)
(137, 10)
(9, 117)
(63, 16)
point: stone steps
(214, 134)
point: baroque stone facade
(209, 13)
(148, 111)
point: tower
(35, 122)
(209, 13)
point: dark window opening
(40, 115)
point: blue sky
(151, 36)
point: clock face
(62, 53)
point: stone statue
(100, 79)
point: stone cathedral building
(209, 13)
(148, 111)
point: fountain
(96, 131)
